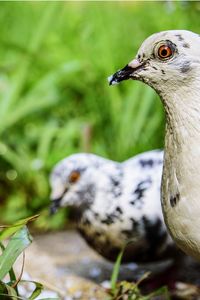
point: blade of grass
(11, 229)
(16, 245)
(22, 72)
(115, 271)
(11, 272)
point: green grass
(131, 290)
(18, 239)
(55, 58)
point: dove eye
(165, 52)
(74, 176)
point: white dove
(115, 204)
(169, 62)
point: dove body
(170, 63)
(115, 204)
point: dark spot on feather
(110, 219)
(146, 163)
(163, 72)
(107, 221)
(141, 188)
(154, 68)
(116, 184)
(96, 215)
(185, 67)
(138, 193)
(119, 210)
(179, 36)
(114, 181)
(174, 200)
(134, 223)
(186, 45)
(154, 234)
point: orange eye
(74, 176)
(165, 51)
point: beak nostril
(135, 63)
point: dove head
(72, 184)
(166, 61)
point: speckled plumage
(176, 78)
(116, 203)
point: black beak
(54, 206)
(121, 75)
(126, 73)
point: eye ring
(165, 51)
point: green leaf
(6, 291)
(18, 242)
(37, 291)
(11, 229)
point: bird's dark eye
(165, 51)
(74, 176)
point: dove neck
(182, 110)
(182, 144)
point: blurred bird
(169, 62)
(115, 204)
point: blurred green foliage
(55, 58)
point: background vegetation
(55, 58)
